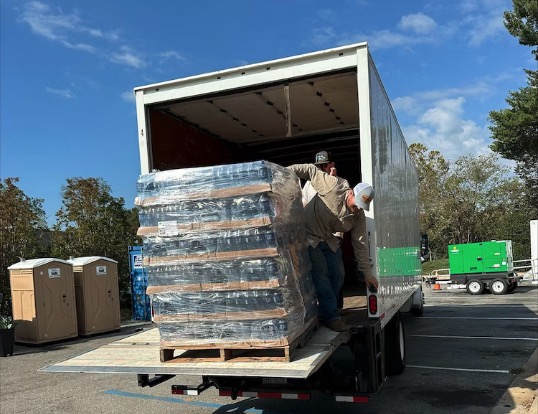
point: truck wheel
(418, 310)
(475, 287)
(394, 347)
(498, 287)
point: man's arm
(304, 171)
(321, 182)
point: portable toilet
(139, 283)
(97, 294)
(43, 300)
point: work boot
(338, 325)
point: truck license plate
(278, 381)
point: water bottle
(268, 329)
(264, 205)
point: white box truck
(284, 111)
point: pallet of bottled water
(226, 255)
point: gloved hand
(371, 282)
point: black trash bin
(7, 339)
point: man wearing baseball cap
(335, 208)
(333, 254)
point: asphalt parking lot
(462, 355)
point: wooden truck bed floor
(139, 354)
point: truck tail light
(372, 304)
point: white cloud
(416, 104)
(64, 93)
(385, 39)
(406, 105)
(127, 56)
(56, 25)
(128, 96)
(171, 54)
(69, 30)
(445, 116)
(476, 21)
(440, 125)
(418, 23)
(468, 6)
(323, 35)
(483, 27)
(79, 46)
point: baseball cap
(322, 157)
(364, 193)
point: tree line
(90, 222)
(471, 199)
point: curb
(522, 395)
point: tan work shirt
(309, 192)
(327, 213)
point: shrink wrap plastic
(226, 254)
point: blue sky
(68, 69)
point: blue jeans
(328, 274)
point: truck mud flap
(371, 370)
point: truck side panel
(396, 237)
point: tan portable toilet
(43, 300)
(97, 294)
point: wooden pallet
(241, 352)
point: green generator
(483, 265)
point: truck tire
(498, 287)
(394, 349)
(418, 310)
(475, 287)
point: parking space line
(475, 337)
(479, 318)
(491, 371)
(176, 400)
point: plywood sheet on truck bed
(140, 354)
